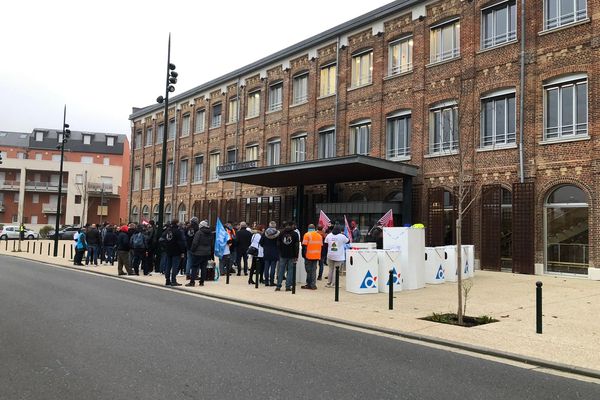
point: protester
(109, 243)
(244, 237)
(93, 241)
(80, 248)
(174, 243)
(336, 252)
(139, 246)
(355, 232)
(312, 243)
(288, 255)
(257, 253)
(123, 252)
(202, 250)
(190, 232)
(268, 241)
(231, 248)
(323, 260)
(148, 263)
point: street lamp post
(66, 133)
(171, 80)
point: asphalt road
(70, 335)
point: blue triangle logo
(440, 273)
(467, 267)
(368, 281)
(395, 277)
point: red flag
(347, 230)
(387, 219)
(324, 220)
(145, 221)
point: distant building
(95, 178)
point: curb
(590, 373)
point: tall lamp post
(171, 80)
(66, 133)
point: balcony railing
(51, 208)
(2, 208)
(43, 186)
(10, 185)
(237, 166)
(100, 187)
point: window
(253, 104)
(160, 133)
(216, 116)
(21, 156)
(498, 120)
(145, 212)
(362, 69)
(563, 12)
(61, 136)
(17, 197)
(400, 56)
(298, 145)
(566, 108)
(185, 125)
(147, 179)
(327, 80)
(198, 169)
(85, 159)
(498, 24)
(231, 156)
(136, 178)
(56, 157)
(274, 152)
(199, 127)
(183, 171)
(110, 141)
(157, 172)
(300, 89)
(443, 128)
(172, 129)
(39, 136)
(445, 41)
(327, 143)
(106, 161)
(149, 137)
(76, 220)
(398, 135)
(213, 165)
(77, 199)
(79, 179)
(252, 153)
(35, 198)
(137, 144)
(38, 156)
(360, 137)
(34, 219)
(170, 172)
(276, 97)
(233, 110)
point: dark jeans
(171, 268)
(198, 264)
(256, 264)
(110, 254)
(225, 264)
(148, 262)
(311, 273)
(242, 256)
(77, 260)
(92, 254)
(138, 258)
(286, 266)
(269, 271)
(322, 263)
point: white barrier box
(360, 245)
(301, 271)
(361, 271)
(467, 261)
(434, 265)
(411, 243)
(389, 260)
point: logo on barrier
(467, 267)
(369, 281)
(440, 273)
(396, 277)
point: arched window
(182, 213)
(155, 212)
(134, 214)
(358, 198)
(145, 212)
(167, 216)
(566, 228)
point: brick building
(390, 110)
(95, 178)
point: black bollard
(64, 249)
(71, 252)
(257, 270)
(538, 307)
(294, 278)
(48, 249)
(391, 290)
(14, 241)
(41, 246)
(6, 245)
(337, 283)
(227, 275)
(33, 248)
(28, 247)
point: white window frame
(229, 153)
(362, 68)
(87, 139)
(396, 152)
(276, 96)
(563, 20)
(172, 129)
(233, 110)
(170, 173)
(328, 151)
(443, 146)
(215, 119)
(183, 171)
(200, 121)
(253, 107)
(327, 83)
(298, 147)
(149, 137)
(497, 39)
(157, 172)
(437, 33)
(300, 88)
(405, 49)
(39, 136)
(87, 160)
(579, 130)
(185, 125)
(160, 132)
(251, 152)
(198, 175)
(147, 177)
(110, 141)
(137, 175)
(213, 161)
(509, 137)
(360, 137)
(274, 152)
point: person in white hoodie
(336, 252)
(256, 259)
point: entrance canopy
(340, 169)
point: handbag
(252, 251)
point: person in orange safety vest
(311, 251)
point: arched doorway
(496, 228)
(197, 209)
(566, 230)
(134, 214)
(182, 213)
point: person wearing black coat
(202, 249)
(244, 237)
(123, 252)
(174, 244)
(93, 240)
(109, 243)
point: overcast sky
(103, 58)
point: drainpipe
(522, 99)
(337, 76)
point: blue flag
(221, 238)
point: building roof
(319, 39)
(14, 139)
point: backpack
(138, 241)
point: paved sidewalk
(571, 310)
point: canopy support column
(407, 200)
(300, 212)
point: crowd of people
(188, 249)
